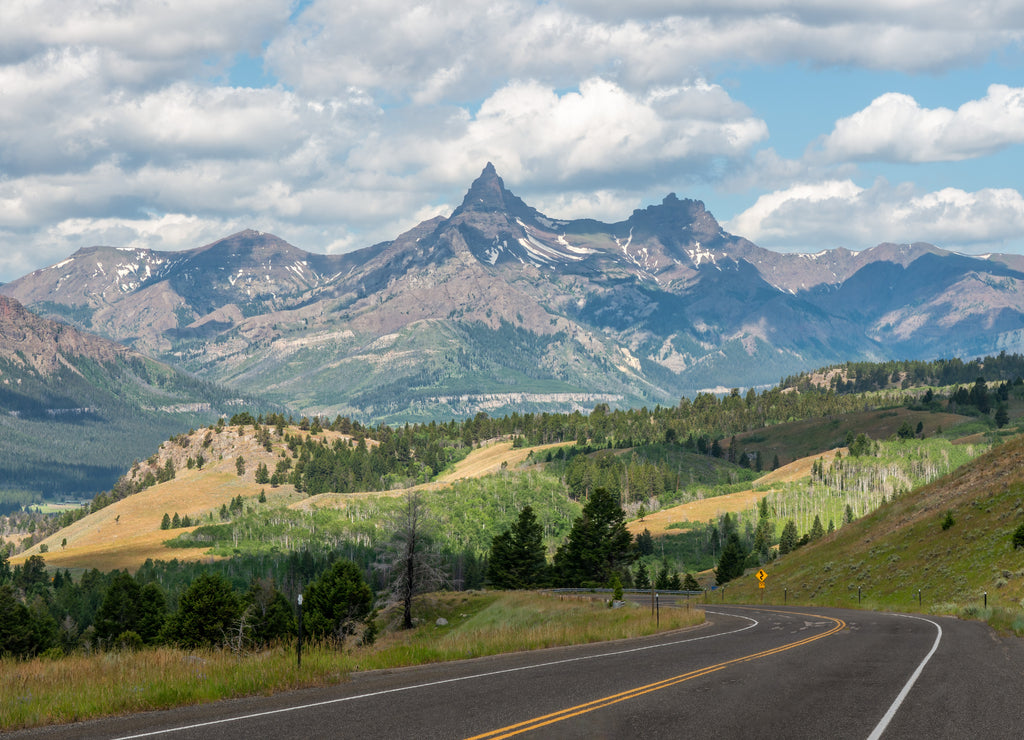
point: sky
(337, 124)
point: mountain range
(500, 308)
(76, 409)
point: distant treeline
(864, 377)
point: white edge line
(884, 722)
(185, 728)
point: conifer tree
(599, 543)
(642, 579)
(789, 538)
(731, 564)
(817, 531)
(517, 554)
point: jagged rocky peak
(487, 194)
(672, 211)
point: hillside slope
(127, 532)
(76, 409)
(902, 547)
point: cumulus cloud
(119, 120)
(141, 40)
(841, 213)
(433, 50)
(599, 134)
(895, 128)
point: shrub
(1018, 537)
(948, 521)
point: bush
(948, 521)
(1018, 537)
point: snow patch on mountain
(699, 255)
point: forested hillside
(284, 502)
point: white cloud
(140, 39)
(117, 117)
(433, 50)
(599, 134)
(840, 213)
(895, 128)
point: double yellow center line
(550, 719)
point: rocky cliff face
(503, 302)
(45, 346)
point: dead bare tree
(409, 563)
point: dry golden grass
(659, 522)
(127, 533)
(477, 464)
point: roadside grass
(47, 690)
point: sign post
(761, 576)
(298, 648)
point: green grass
(50, 691)
(466, 516)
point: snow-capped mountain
(500, 307)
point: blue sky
(801, 125)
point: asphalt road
(749, 672)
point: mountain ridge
(499, 299)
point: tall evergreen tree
(817, 531)
(662, 579)
(789, 539)
(119, 611)
(207, 611)
(517, 554)
(599, 543)
(731, 564)
(642, 579)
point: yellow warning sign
(761, 576)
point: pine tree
(789, 538)
(165, 523)
(338, 602)
(848, 514)
(517, 555)
(731, 563)
(642, 579)
(817, 531)
(662, 579)
(207, 610)
(599, 543)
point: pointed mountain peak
(487, 194)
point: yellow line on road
(549, 719)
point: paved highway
(749, 672)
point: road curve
(750, 672)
